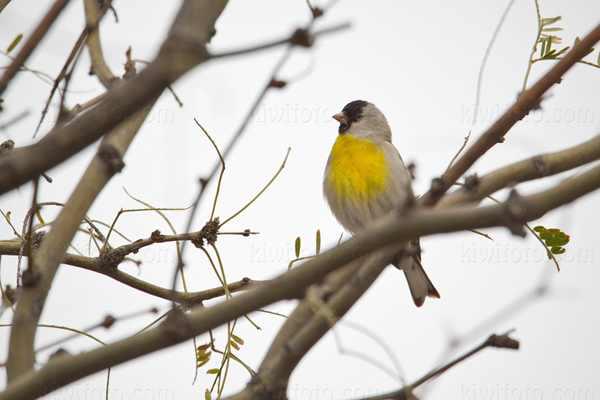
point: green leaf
(202, 364)
(563, 51)
(318, 241)
(598, 65)
(554, 239)
(552, 29)
(297, 244)
(588, 52)
(548, 45)
(577, 40)
(207, 395)
(556, 242)
(213, 371)
(557, 250)
(203, 357)
(543, 49)
(14, 43)
(550, 21)
(237, 339)
(234, 345)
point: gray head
(363, 120)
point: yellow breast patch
(358, 168)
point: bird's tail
(419, 283)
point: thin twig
(279, 42)
(261, 192)
(534, 48)
(212, 214)
(398, 374)
(74, 53)
(106, 323)
(488, 51)
(459, 151)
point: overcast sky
(419, 63)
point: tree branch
(527, 170)
(94, 12)
(292, 284)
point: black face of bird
(351, 113)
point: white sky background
(418, 61)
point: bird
(365, 179)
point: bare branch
(533, 168)
(98, 264)
(94, 12)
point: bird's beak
(341, 118)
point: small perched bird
(365, 179)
